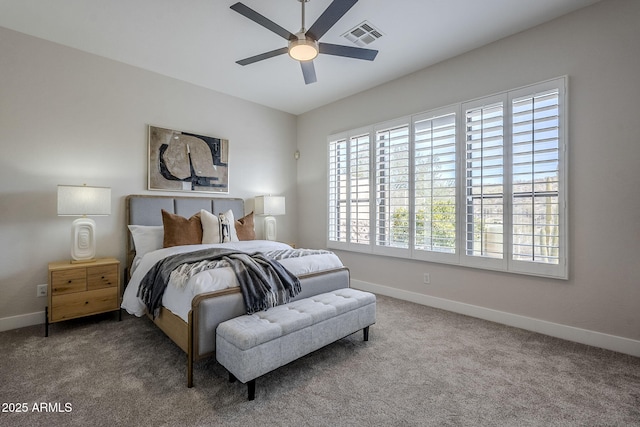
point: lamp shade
(80, 200)
(269, 205)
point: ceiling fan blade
(261, 20)
(329, 17)
(308, 71)
(262, 56)
(347, 51)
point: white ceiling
(198, 41)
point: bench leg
(365, 332)
(251, 387)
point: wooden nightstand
(83, 289)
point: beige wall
(597, 48)
(67, 117)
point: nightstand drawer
(105, 276)
(67, 281)
(73, 305)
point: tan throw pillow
(244, 228)
(180, 231)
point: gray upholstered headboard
(147, 210)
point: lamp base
(269, 228)
(83, 240)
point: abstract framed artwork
(182, 161)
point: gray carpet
(421, 367)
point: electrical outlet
(427, 278)
(41, 290)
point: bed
(189, 316)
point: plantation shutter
(480, 184)
(536, 172)
(435, 183)
(392, 186)
(338, 185)
(484, 180)
(359, 218)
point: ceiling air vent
(363, 35)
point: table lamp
(82, 200)
(269, 206)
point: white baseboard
(569, 333)
(21, 321)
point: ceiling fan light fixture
(303, 49)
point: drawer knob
(69, 281)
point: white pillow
(232, 229)
(146, 238)
(218, 229)
(210, 227)
(227, 227)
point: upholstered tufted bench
(252, 345)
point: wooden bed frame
(197, 336)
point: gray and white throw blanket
(263, 280)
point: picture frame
(184, 161)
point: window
(434, 175)
(349, 184)
(359, 224)
(536, 182)
(338, 191)
(392, 186)
(479, 184)
(484, 179)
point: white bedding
(178, 300)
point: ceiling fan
(304, 45)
